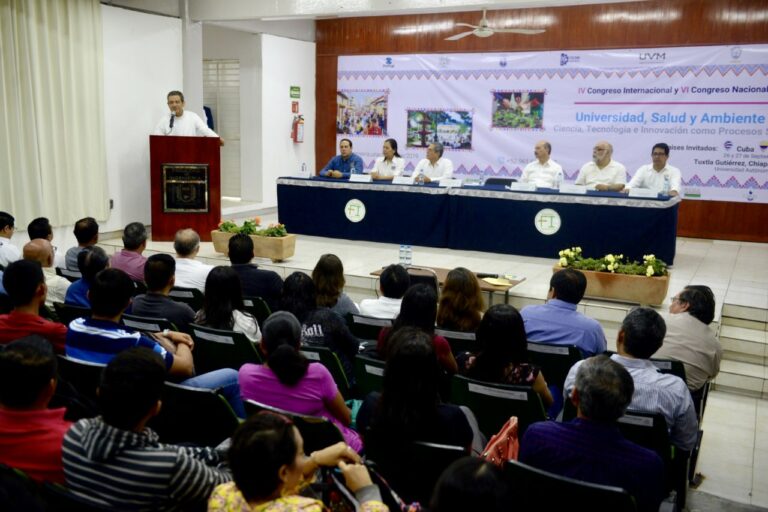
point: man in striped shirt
(642, 333)
(115, 460)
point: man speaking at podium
(180, 123)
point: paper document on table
(495, 281)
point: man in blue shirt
(558, 323)
(341, 166)
(590, 447)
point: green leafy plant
(251, 227)
(614, 263)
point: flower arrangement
(613, 263)
(252, 227)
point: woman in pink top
(290, 382)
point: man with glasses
(8, 252)
(603, 173)
(653, 176)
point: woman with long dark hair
(223, 306)
(503, 356)
(269, 468)
(461, 302)
(390, 164)
(328, 276)
(418, 309)
(287, 380)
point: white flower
(649, 271)
(561, 253)
(610, 258)
(577, 249)
(563, 262)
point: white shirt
(8, 252)
(647, 177)
(542, 175)
(612, 174)
(393, 168)
(443, 169)
(247, 325)
(692, 342)
(57, 286)
(191, 273)
(383, 307)
(188, 125)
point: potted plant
(272, 242)
(615, 277)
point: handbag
(503, 445)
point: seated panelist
(602, 173)
(434, 167)
(344, 164)
(653, 176)
(543, 171)
(390, 164)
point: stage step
(744, 337)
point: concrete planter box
(272, 247)
(625, 288)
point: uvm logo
(354, 210)
(652, 56)
(388, 62)
(728, 145)
(547, 221)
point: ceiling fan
(485, 30)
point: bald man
(542, 171)
(603, 173)
(41, 250)
(190, 273)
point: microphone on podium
(173, 117)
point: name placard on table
(451, 183)
(643, 192)
(568, 188)
(360, 178)
(522, 187)
(402, 180)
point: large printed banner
(710, 104)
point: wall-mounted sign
(295, 91)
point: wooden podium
(185, 177)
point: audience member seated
(503, 356)
(130, 259)
(328, 276)
(8, 251)
(25, 284)
(471, 483)
(393, 284)
(290, 382)
(223, 305)
(590, 447)
(90, 262)
(255, 281)
(87, 234)
(408, 408)
(41, 251)
(419, 309)
(461, 302)
(320, 327)
(115, 459)
(41, 228)
(100, 338)
(558, 323)
(270, 468)
(190, 273)
(30, 433)
(640, 336)
(159, 275)
(689, 338)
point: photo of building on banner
(518, 109)
(451, 128)
(361, 112)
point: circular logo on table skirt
(547, 221)
(354, 210)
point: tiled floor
(734, 455)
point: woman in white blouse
(223, 304)
(389, 165)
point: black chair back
(500, 181)
(190, 296)
(216, 349)
(555, 361)
(69, 312)
(82, 375)
(459, 341)
(670, 366)
(257, 307)
(366, 327)
(330, 360)
(534, 487)
(194, 415)
(147, 324)
(317, 432)
(369, 375)
(69, 275)
(422, 275)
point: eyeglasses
(658, 154)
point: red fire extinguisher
(297, 129)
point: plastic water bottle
(665, 188)
(408, 255)
(558, 179)
(352, 169)
(403, 257)
(419, 179)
